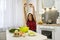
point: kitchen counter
(9, 36)
(54, 28)
(50, 25)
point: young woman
(30, 18)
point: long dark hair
(32, 17)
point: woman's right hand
(25, 5)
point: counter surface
(9, 36)
(50, 25)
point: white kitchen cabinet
(2, 35)
(53, 28)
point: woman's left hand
(31, 6)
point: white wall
(48, 3)
(8, 21)
(2, 9)
(33, 2)
(19, 13)
(12, 15)
(57, 5)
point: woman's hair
(32, 17)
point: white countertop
(49, 24)
(9, 36)
(54, 28)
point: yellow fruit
(24, 29)
(40, 22)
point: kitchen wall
(57, 4)
(40, 8)
(1, 14)
(17, 12)
(11, 13)
(34, 2)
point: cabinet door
(2, 35)
(38, 29)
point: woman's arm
(33, 12)
(25, 14)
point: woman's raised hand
(31, 5)
(25, 5)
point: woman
(30, 19)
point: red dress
(31, 25)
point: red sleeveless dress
(31, 25)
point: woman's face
(30, 17)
